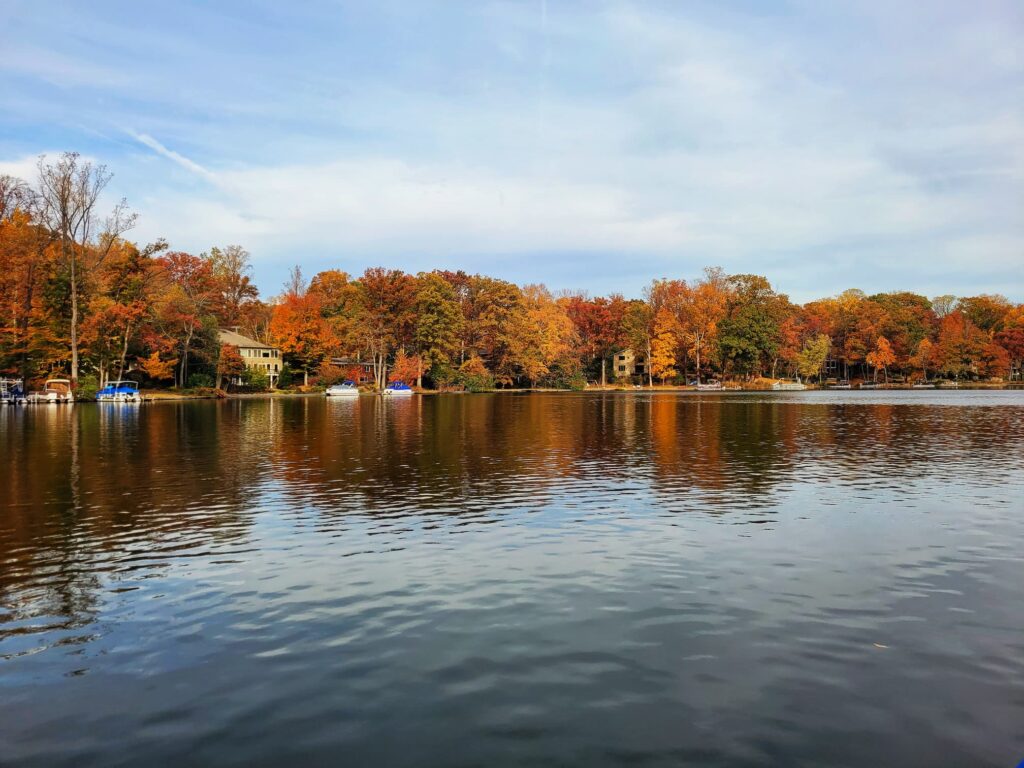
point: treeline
(80, 299)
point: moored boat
(398, 389)
(789, 386)
(841, 384)
(345, 389)
(119, 392)
(54, 391)
(11, 391)
(709, 386)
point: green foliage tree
(813, 355)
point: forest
(78, 298)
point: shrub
(200, 381)
(285, 378)
(87, 388)
(254, 380)
(443, 376)
(474, 376)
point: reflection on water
(779, 579)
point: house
(257, 355)
(626, 364)
(348, 363)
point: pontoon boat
(119, 392)
(53, 391)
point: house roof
(238, 340)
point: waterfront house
(256, 355)
(626, 364)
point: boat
(54, 391)
(11, 391)
(709, 386)
(923, 385)
(345, 389)
(789, 386)
(868, 385)
(841, 384)
(398, 389)
(119, 392)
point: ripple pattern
(798, 579)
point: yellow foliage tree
(664, 343)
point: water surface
(797, 579)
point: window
(266, 353)
(622, 369)
(622, 357)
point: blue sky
(587, 145)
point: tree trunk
(604, 381)
(184, 359)
(305, 377)
(696, 351)
(124, 351)
(74, 323)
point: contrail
(184, 162)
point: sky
(586, 145)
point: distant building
(626, 364)
(257, 355)
(364, 368)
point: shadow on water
(498, 579)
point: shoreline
(162, 396)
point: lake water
(798, 579)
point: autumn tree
(184, 307)
(638, 325)
(231, 273)
(959, 345)
(703, 308)
(25, 261)
(407, 368)
(338, 295)
(882, 356)
(385, 315)
(439, 321)
(299, 328)
(1011, 337)
(230, 364)
(749, 333)
(664, 341)
(69, 191)
(543, 339)
(922, 357)
(813, 355)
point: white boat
(924, 385)
(841, 384)
(868, 385)
(398, 389)
(119, 392)
(709, 386)
(789, 386)
(345, 389)
(53, 391)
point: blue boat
(398, 389)
(119, 392)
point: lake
(799, 579)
